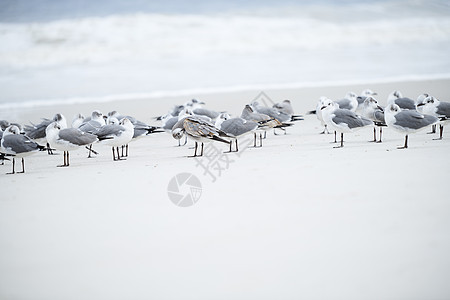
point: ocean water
(63, 51)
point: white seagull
(406, 121)
(432, 106)
(18, 145)
(343, 120)
(235, 127)
(116, 135)
(67, 139)
(372, 111)
(36, 132)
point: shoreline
(303, 98)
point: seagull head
(393, 109)
(12, 129)
(368, 92)
(328, 104)
(178, 133)
(351, 95)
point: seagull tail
(296, 118)
(283, 125)
(153, 129)
(219, 139)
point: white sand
(295, 219)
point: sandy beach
(295, 219)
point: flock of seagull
(192, 120)
(403, 114)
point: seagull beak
(322, 107)
(380, 108)
(421, 104)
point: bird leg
(433, 129)
(325, 130)
(195, 151)
(406, 143)
(374, 134)
(201, 154)
(65, 163)
(260, 139)
(335, 138)
(254, 142)
(231, 142)
(13, 164)
(23, 166)
(49, 149)
(126, 152)
(90, 151)
(342, 141)
(236, 141)
(265, 134)
(118, 154)
(185, 140)
(381, 131)
(441, 130)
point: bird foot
(62, 166)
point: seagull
(323, 101)
(198, 130)
(94, 123)
(116, 135)
(168, 121)
(36, 132)
(343, 120)
(67, 139)
(406, 121)
(140, 128)
(91, 125)
(364, 94)
(349, 102)
(265, 122)
(78, 120)
(396, 97)
(432, 106)
(372, 111)
(286, 108)
(273, 113)
(18, 145)
(235, 127)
